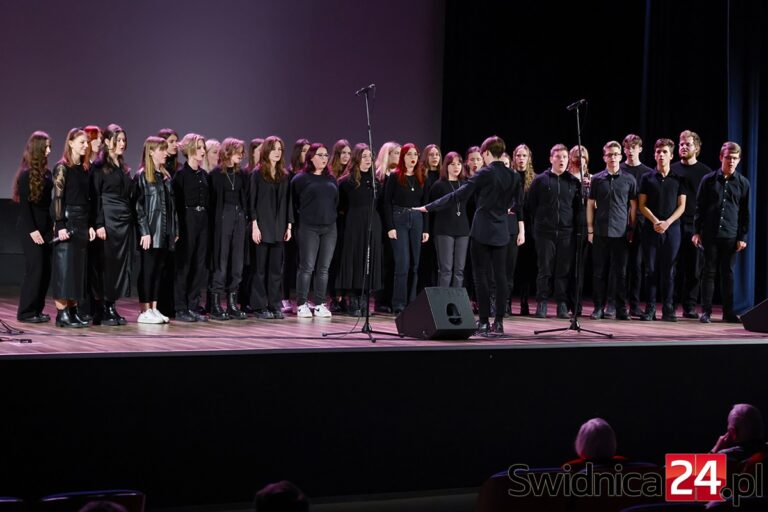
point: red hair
(418, 171)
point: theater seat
(9, 504)
(494, 495)
(133, 501)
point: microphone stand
(367, 278)
(575, 325)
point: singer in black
(191, 192)
(229, 207)
(554, 200)
(356, 208)
(70, 210)
(112, 191)
(662, 198)
(450, 229)
(721, 226)
(496, 190)
(405, 188)
(157, 225)
(315, 199)
(609, 230)
(32, 190)
(272, 222)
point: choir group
(248, 233)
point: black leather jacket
(156, 211)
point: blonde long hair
(152, 144)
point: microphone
(56, 239)
(364, 89)
(576, 104)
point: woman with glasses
(315, 199)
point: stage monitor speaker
(438, 313)
(756, 319)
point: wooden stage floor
(307, 335)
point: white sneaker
(304, 311)
(148, 317)
(161, 316)
(322, 312)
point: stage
(204, 414)
(292, 333)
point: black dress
(70, 210)
(34, 216)
(112, 190)
(354, 207)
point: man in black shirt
(554, 200)
(662, 202)
(611, 211)
(496, 190)
(689, 258)
(721, 225)
(633, 146)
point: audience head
(745, 423)
(283, 496)
(596, 440)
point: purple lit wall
(227, 68)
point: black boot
(524, 311)
(650, 313)
(214, 307)
(232, 310)
(108, 314)
(66, 318)
(354, 306)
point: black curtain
(649, 67)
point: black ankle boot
(232, 310)
(354, 306)
(65, 318)
(108, 316)
(113, 311)
(214, 307)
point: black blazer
(271, 206)
(156, 211)
(496, 189)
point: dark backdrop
(227, 68)
(648, 67)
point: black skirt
(118, 247)
(70, 257)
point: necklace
(458, 204)
(230, 180)
(410, 183)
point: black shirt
(496, 190)
(407, 196)
(612, 194)
(233, 187)
(315, 198)
(449, 221)
(662, 193)
(35, 216)
(555, 203)
(191, 187)
(271, 206)
(111, 181)
(71, 187)
(692, 176)
(722, 206)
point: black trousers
(555, 258)
(151, 268)
(689, 267)
(267, 275)
(609, 259)
(489, 261)
(37, 277)
(229, 262)
(635, 270)
(512, 252)
(191, 250)
(719, 255)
